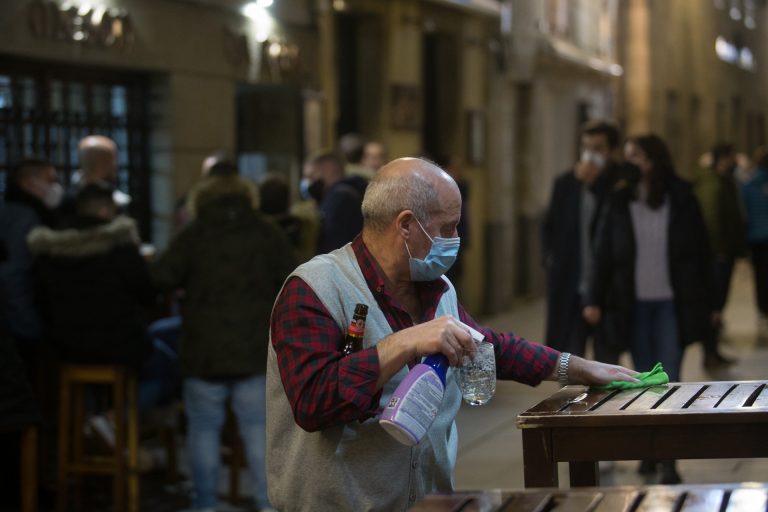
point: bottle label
(357, 328)
(414, 404)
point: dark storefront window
(269, 132)
(45, 109)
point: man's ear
(403, 222)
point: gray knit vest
(356, 466)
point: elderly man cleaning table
(325, 448)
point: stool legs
(29, 469)
(64, 427)
(133, 447)
(72, 457)
(118, 406)
(77, 439)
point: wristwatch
(562, 368)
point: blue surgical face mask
(441, 256)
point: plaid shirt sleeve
(324, 387)
(516, 358)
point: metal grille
(45, 109)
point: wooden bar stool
(28, 440)
(73, 461)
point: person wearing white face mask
(31, 197)
(568, 236)
(325, 448)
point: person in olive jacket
(230, 262)
(652, 280)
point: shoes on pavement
(715, 360)
(669, 474)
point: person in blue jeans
(231, 262)
(205, 402)
(652, 280)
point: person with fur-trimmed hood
(231, 262)
(94, 285)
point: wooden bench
(657, 498)
(691, 420)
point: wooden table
(657, 498)
(689, 420)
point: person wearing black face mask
(338, 198)
(718, 196)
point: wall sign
(81, 24)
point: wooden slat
(747, 500)
(647, 400)
(593, 398)
(738, 396)
(679, 398)
(762, 399)
(555, 402)
(617, 500)
(703, 500)
(660, 498)
(525, 502)
(576, 501)
(711, 396)
(616, 402)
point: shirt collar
(429, 291)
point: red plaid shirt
(325, 388)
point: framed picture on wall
(476, 137)
(406, 107)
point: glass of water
(477, 375)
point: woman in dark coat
(652, 276)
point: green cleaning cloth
(656, 377)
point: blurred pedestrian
(98, 166)
(94, 267)
(374, 155)
(718, 195)
(275, 203)
(31, 197)
(755, 196)
(651, 283)
(231, 263)
(94, 292)
(339, 200)
(568, 237)
(454, 166)
(351, 146)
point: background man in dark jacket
(568, 232)
(231, 263)
(32, 193)
(339, 199)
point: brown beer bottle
(354, 339)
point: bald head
(408, 184)
(98, 159)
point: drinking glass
(477, 375)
